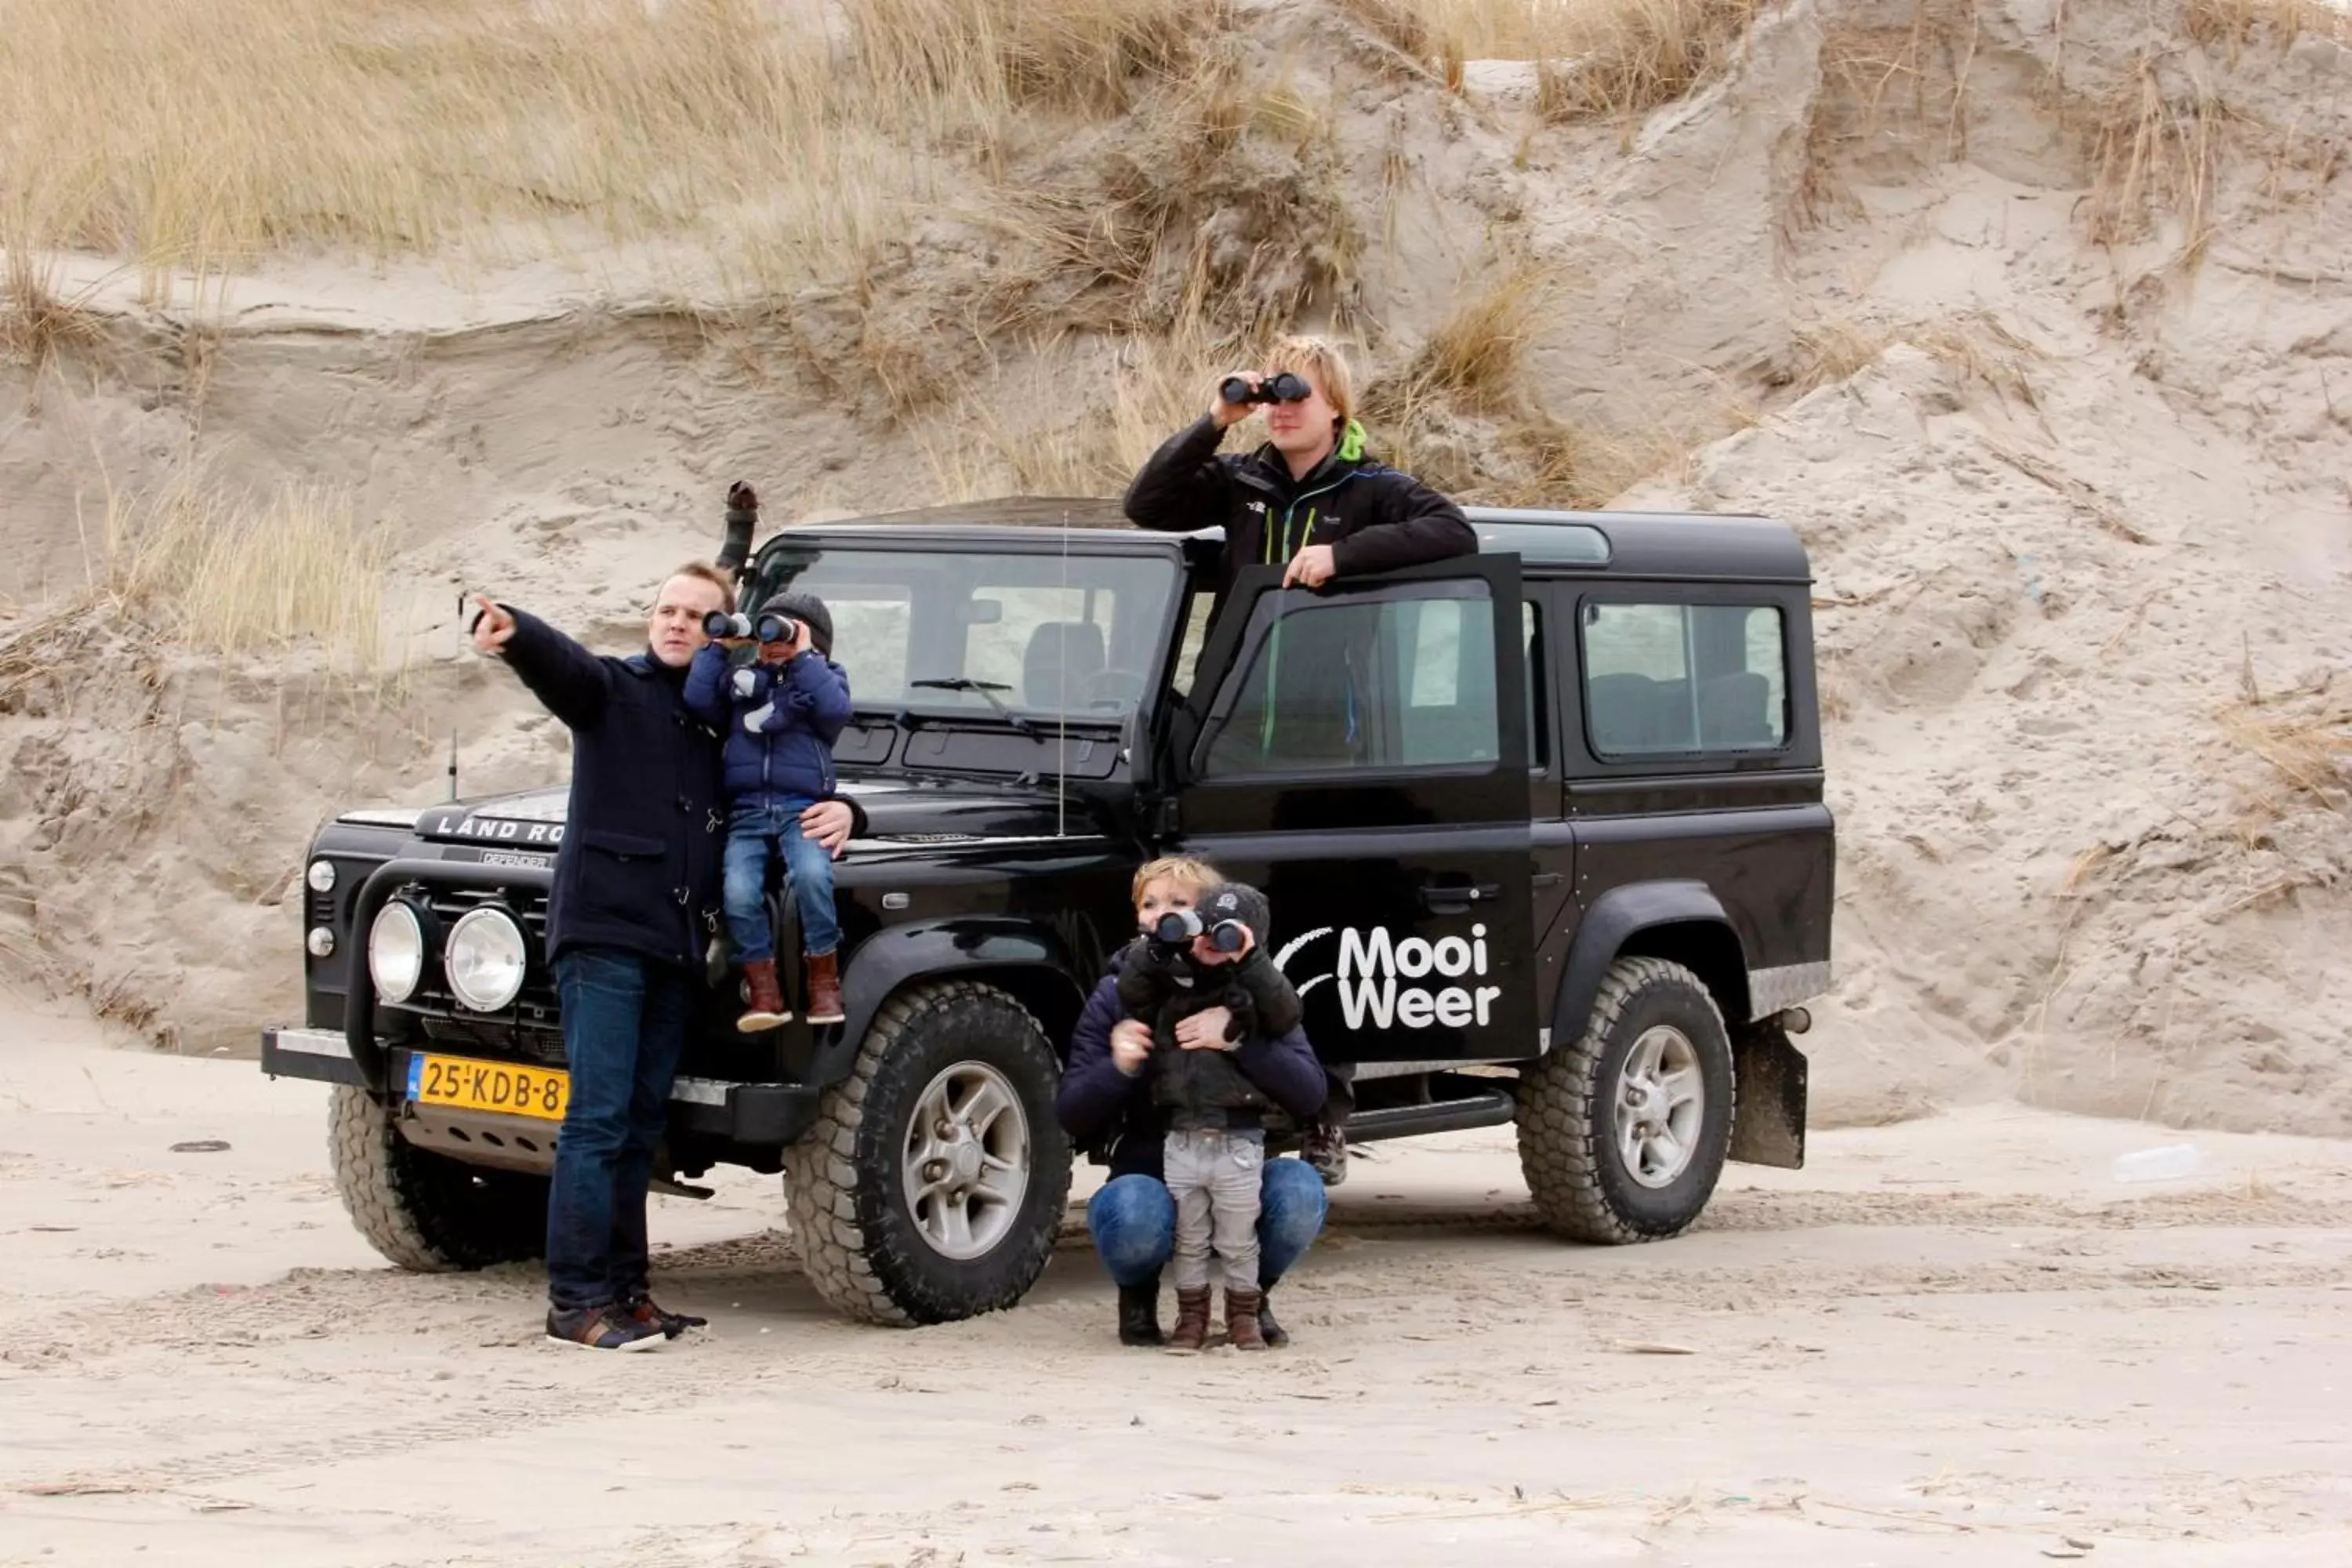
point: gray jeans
(1213, 1176)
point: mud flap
(1771, 1072)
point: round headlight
(395, 952)
(485, 960)
(322, 875)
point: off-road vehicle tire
(845, 1180)
(1569, 1146)
(424, 1211)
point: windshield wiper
(988, 689)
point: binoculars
(769, 626)
(1282, 387)
(1177, 928)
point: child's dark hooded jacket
(780, 720)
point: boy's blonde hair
(1194, 875)
(1321, 364)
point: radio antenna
(453, 767)
(1062, 702)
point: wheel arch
(1681, 921)
(1027, 960)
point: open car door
(1359, 753)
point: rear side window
(1667, 678)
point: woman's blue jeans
(1133, 1221)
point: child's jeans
(1212, 1173)
(754, 832)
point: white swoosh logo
(1282, 959)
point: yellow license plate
(468, 1084)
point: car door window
(1400, 681)
(1685, 679)
(1532, 643)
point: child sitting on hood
(781, 714)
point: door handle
(1454, 898)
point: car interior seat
(1062, 660)
(1625, 712)
(1735, 709)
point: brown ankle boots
(1192, 1331)
(1242, 1326)
(764, 1007)
(825, 989)
(1241, 1318)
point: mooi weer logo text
(1376, 975)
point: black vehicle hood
(898, 812)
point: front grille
(473, 1032)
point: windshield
(958, 630)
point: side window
(1663, 679)
(1404, 681)
(1538, 686)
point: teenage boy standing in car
(636, 880)
(1309, 501)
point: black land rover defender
(1542, 828)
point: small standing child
(781, 713)
(1188, 961)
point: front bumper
(762, 1115)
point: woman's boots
(1139, 1314)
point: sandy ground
(1955, 1341)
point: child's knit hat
(810, 609)
(1237, 901)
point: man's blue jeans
(755, 833)
(624, 1019)
(1133, 1221)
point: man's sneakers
(642, 1309)
(638, 1323)
(1326, 1148)
(610, 1328)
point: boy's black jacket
(1114, 1116)
(1204, 1089)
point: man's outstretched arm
(569, 682)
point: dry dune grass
(983, 60)
(36, 322)
(1828, 348)
(199, 133)
(218, 571)
(2306, 741)
(1018, 436)
(1475, 356)
(2239, 22)
(1599, 56)
(225, 571)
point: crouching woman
(1106, 1099)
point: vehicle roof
(1639, 543)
